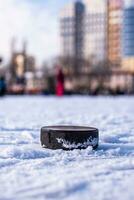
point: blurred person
(59, 82)
(2, 86)
(2, 81)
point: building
(18, 62)
(72, 32)
(95, 31)
(21, 69)
(128, 37)
(21, 62)
(83, 31)
(99, 31)
(114, 31)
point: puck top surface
(70, 128)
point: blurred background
(67, 47)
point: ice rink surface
(29, 172)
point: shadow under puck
(69, 137)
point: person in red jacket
(60, 83)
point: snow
(90, 142)
(28, 171)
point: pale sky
(33, 20)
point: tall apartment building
(128, 36)
(67, 30)
(71, 30)
(114, 31)
(96, 30)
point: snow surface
(29, 172)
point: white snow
(90, 142)
(29, 172)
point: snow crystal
(66, 144)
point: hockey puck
(69, 137)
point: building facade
(21, 69)
(67, 31)
(95, 31)
(128, 37)
(114, 31)
(71, 30)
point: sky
(33, 20)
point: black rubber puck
(69, 137)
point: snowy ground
(29, 172)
